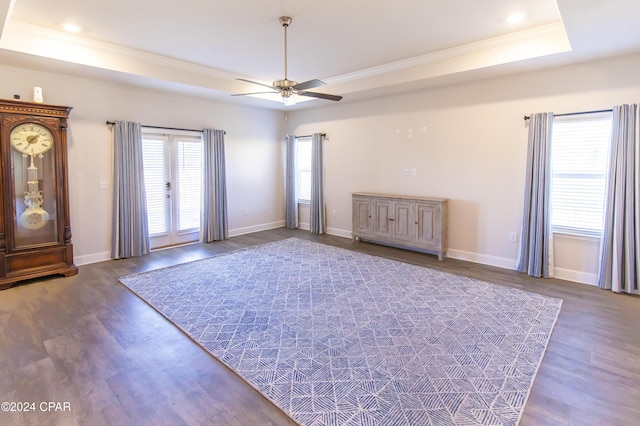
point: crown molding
(543, 40)
(34, 40)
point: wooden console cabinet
(414, 223)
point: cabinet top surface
(404, 197)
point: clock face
(31, 139)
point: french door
(172, 174)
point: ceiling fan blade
(309, 84)
(321, 96)
(255, 82)
(254, 93)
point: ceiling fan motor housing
(284, 86)
(285, 21)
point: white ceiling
(360, 48)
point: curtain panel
(619, 248)
(291, 201)
(536, 244)
(317, 219)
(213, 219)
(130, 230)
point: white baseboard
(101, 257)
(331, 231)
(339, 232)
(576, 276)
(256, 228)
(500, 262)
(92, 258)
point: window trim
(570, 230)
(305, 139)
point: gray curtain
(130, 230)
(291, 201)
(317, 219)
(213, 219)
(536, 244)
(619, 247)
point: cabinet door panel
(381, 215)
(403, 220)
(362, 215)
(428, 219)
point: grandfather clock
(35, 231)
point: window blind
(174, 160)
(579, 162)
(303, 172)
(155, 179)
(189, 183)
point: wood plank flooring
(89, 342)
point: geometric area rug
(336, 337)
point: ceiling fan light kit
(287, 87)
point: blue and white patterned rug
(336, 337)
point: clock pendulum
(34, 216)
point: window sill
(304, 202)
(576, 236)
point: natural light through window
(303, 172)
(172, 174)
(579, 158)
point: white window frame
(585, 177)
(303, 169)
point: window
(172, 174)
(579, 163)
(303, 169)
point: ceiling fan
(288, 87)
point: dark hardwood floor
(104, 357)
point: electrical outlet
(513, 237)
(246, 212)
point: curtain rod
(526, 117)
(111, 123)
(310, 136)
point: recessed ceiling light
(72, 28)
(515, 18)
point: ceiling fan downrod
(285, 21)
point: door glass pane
(155, 180)
(189, 172)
